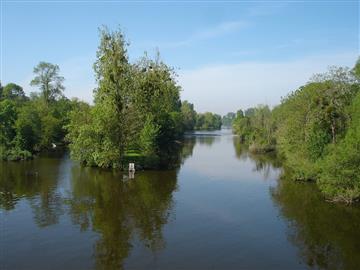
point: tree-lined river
(222, 208)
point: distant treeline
(137, 112)
(228, 119)
(199, 121)
(317, 130)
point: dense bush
(29, 125)
(340, 170)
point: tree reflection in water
(325, 233)
(102, 201)
(120, 210)
(187, 148)
(206, 139)
(35, 181)
(124, 213)
(202, 138)
(264, 163)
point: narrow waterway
(223, 208)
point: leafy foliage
(317, 129)
(189, 115)
(228, 119)
(340, 174)
(137, 112)
(13, 92)
(29, 125)
(256, 128)
(48, 80)
(208, 121)
(137, 108)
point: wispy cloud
(219, 30)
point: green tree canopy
(48, 80)
(13, 91)
(136, 112)
(189, 115)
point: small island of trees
(137, 112)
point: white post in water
(131, 170)
(131, 167)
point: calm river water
(223, 208)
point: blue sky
(228, 55)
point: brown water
(221, 209)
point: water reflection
(264, 163)
(35, 181)
(327, 235)
(95, 200)
(187, 148)
(119, 216)
(119, 210)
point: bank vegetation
(316, 128)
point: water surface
(222, 208)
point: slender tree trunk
(333, 132)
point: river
(222, 208)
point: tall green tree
(136, 112)
(157, 94)
(112, 98)
(8, 115)
(189, 115)
(49, 81)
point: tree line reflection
(263, 163)
(119, 210)
(35, 181)
(102, 201)
(326, 235)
